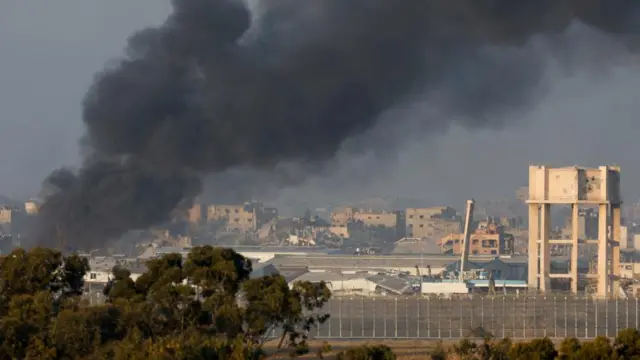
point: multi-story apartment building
(429, 222)
(489, 240)
(247, 217)
(340, 218)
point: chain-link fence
(476, 317)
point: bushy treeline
(626, 346)
(204, 306)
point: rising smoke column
(195, 97)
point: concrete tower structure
(575, 186)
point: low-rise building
(243, 218)
(430, 222)
(235, 217)
(342, 217)
(377, 218)
(489, 240)
(101, 269)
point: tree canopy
(202, 306)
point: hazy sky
(50, 50)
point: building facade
(235, 217)
(429, 222)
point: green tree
(204, 306)
(627, 344)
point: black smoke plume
(198, 95)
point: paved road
(459, 318)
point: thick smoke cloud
(206, 92)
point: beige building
(636, 242)
(194, 215)
(377, 218)
(624, 237)
(341, 231)
(237, 217)
(429, 222)
(629, 270)
(342, 216)
(31, 207)
(369, 217)
(487, 240)
(7, 213)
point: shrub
(439, 353)
(627, 344)
(538, 349)
(465, 348)
(570, 349)
(598, 349)
(490, 350)
(367, 352)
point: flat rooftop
(380, 261)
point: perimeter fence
(521, 317)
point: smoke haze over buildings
(200, 96)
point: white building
(101, 269)
(260, 253)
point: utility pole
(467, 238)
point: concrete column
(574, 248)
(534, 236)
(615, 248)
(545, 253)
(603, 251)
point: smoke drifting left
(189, 98)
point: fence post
(504, 315)
(375, 320)
(493, 315)
(428, 318)
(406, 316)
(471, 313)
(513, 323)
(606, 317)
(535, 316)
(460, 318)
(450, 317)
(617, 316)
(418, 311)
(566, 319)
(482, 311)
(575, 317)
(330, 317)
(555, 318)
(586, 317)
(596, 326)
(524, 316)
(544, 314)
(350, 312)
(384, 314)
(362, 327)
(396, 322)
(627, 311)
(340, 317)
(439, 317)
